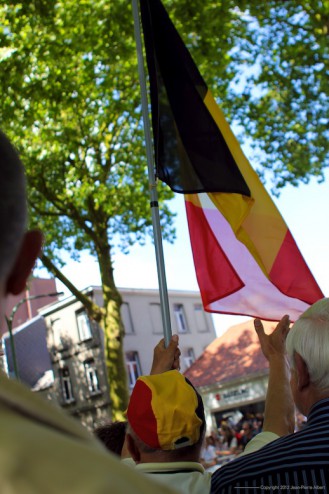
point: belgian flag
(246, 260)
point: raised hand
(166, 359)
(273, 344)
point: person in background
(216, 437)
(113, 436)
(238, 436)
(258, 423)
(166, 426)
(247, 433)
(298, 375)
(229, 445)
(208, 457)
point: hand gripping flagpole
(152, 183)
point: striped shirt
(297, 463)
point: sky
(304, 208)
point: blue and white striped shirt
(297, 463)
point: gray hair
(141, 445)
(187, 453)
(13, 209)
(309, 337)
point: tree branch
(94, 311)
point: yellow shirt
(44, 451)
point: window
(155, 309)
(60, 337)
(133, 368)
(200, 318)
(190, 357)
(180, 318)
(126, 318)
(92, 377)
(66, 385)
(83, 326)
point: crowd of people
(43, 450)
(229, 440)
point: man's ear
(25, 260)
(132, 448)
(303, 376)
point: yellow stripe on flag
(260, 212)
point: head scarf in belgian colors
(165, 411)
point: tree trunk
(110, 320)
(94, 312)
(114, 333)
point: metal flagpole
(152, 182)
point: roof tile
(231, 356)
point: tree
(70, 101)
(76, 118)
(274, 83)
(286, 88)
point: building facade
(76, 378)
(232, 375)
(25, 306)
(30, 349)
(75, 345)
(141, 313)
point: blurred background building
(60, 351)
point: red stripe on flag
(215, 244)
(291, 274)
(216, 276)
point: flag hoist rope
(153, 190)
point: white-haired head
(13, 209)
(309, 337)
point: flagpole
(152, 183)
